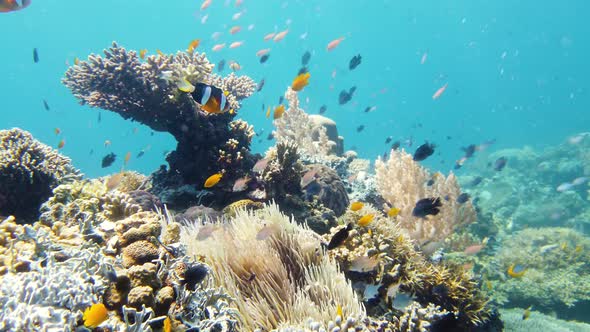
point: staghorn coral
(402, 182)
(395, 265)
(557, 277)
(280, 279)
(147, 92)
(29, 170)
(419, 319)
(296, 127)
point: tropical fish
(339, 237)
(516, 270)
(355, 206)
(279, 110)
(302, 70)
(323, 109)
(95, 315)
(354, 62)
(264, 58)
(260, 85)
(46, 105)
(423, 59)
(35, 55)
(260, 165)
(262, 52)
(210, 98)
(366, 220)
(76, 61)
(241, 184)
(579, 181)
(440, 91)
(300, 82)
(395, 145)
(13, 5)
(235, 29)
(160, 53)
(334, 43)
(220, 65)
(108, 160)
(308, 177)
(107, 143)
(339, 311)
(565, 187)
(268, 113)
(527, 313)
(127, 158)
(114, 180)
(475, 248)
(427, 206)
(305, 58)
(267, 231)
(269, 36)
(236, 44)
(363, 264)
(393, 212)
(61, 144)
(213, 180)
(463, 198)
(193, 45)
(167, 325)
(346, 96)
(142, 53)
(205, 4)
(360, 128)
(185, 86)
(424, 151)
(280, 36)
(57, 131)
(218, 47)
(500, 163)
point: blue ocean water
(517, 72)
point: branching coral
(29, 170)
(295, 126)
(275, 270)
(147, 92)
(402, 182)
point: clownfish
(13, 5)
(211, 99)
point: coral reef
(402, 182)
(147, 92)
(29, 170)
(537, 321)
(557, 271)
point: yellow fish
(185, 86)
(578, 248)
(142, 53)
(366, 219)
(516, 271)
(167, 325)
(95, 315)
(300, 81)
(279, 112)
(160, 53)
(339, 311)
(527, 313)
(393, 212)
(355, 206)
(268, 113)
(193, 45)
(213, 180)
(76, 61)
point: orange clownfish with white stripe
(210, 99)
(13, 5)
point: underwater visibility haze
(294, 165)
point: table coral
(29, 171)
(147, 92)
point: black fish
(470, 150)
(344, 97)
(264, 58)
(354, 62)
(430, 182)
(395, 145)
(388, 139)
(368, 109)
(108, 160)
(99, 117)
(500, 164)
(193, 275)
(260, 85)
(424, 151)
(46, 105)
(303, 70)
(351, 91)
(440, 290)
(476, 181)
(323, 109)
(270, 136)
(360, 128)
(305, 58)
(221, 65)
(281, 99)
(260, 132)
(140, 154)
(339, 237)
(152, 133)
(35, 55)
(464, 197)
(427, 206)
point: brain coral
(29, 170)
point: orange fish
(269, 36)
(57, 131)
(13, 5)
(279, 112)
(440, 91)
(127, 157)
(94, 315)
(205, 4)
(300, 81)
(332, 45)
(142, 53)
(366, 219)
(236, 44)
(280, 36)
(213, 180)
(235, 29)
(61, 144)
(218, 47)
(193, 45)
(355, 206)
